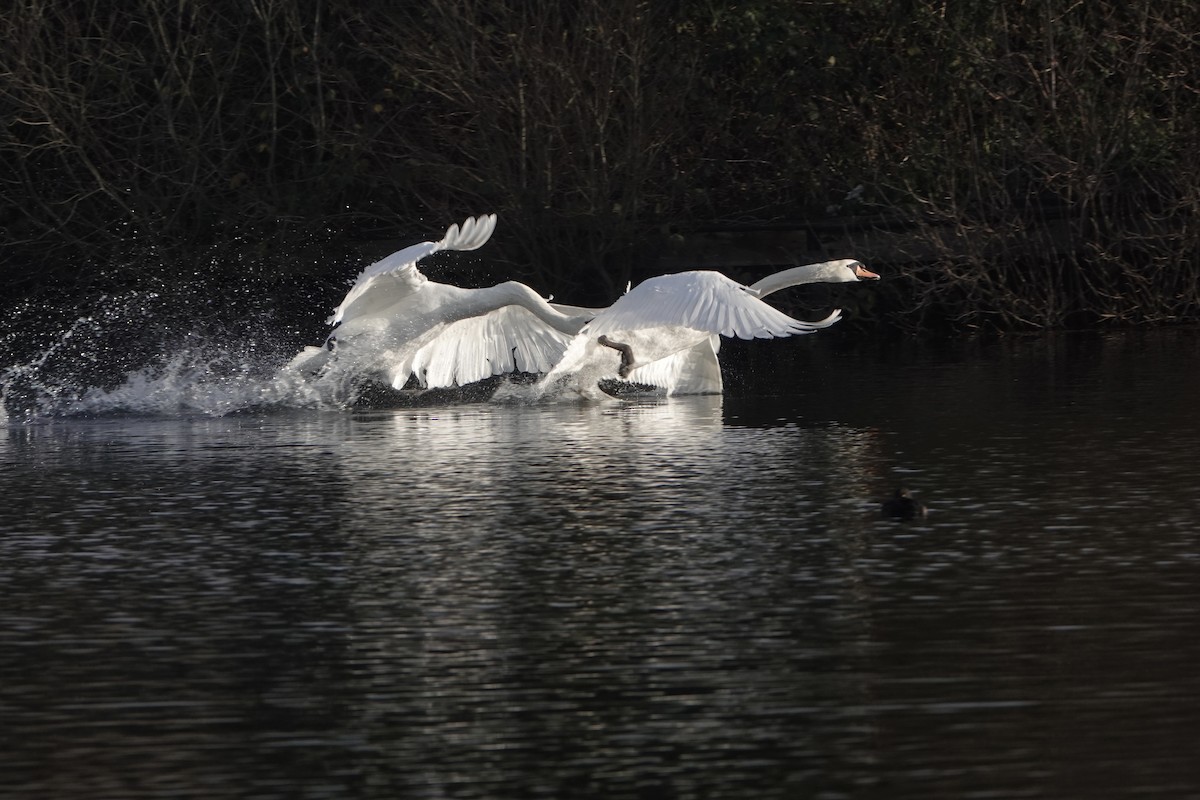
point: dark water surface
(693, 598)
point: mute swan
(669, 327)
(397, 322)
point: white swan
(665, 332)
(396, 323)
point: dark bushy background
(1042, 155)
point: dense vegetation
(1041, 157)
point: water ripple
(690, 599)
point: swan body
(665, 332)
(397, 323)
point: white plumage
(703, 301)
(390, 280)
(395, 323)
(510, 339)
(671, 325)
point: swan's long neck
(513, 293)
(824, 272)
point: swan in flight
(395, 323)
(666, 331)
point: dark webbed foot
(626, 355)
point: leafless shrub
(1042, 154)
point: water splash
(147, 353)
(187, 350)
(144, 353)
(200, 382)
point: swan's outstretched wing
(389, 280)
(703, 301)
(509, 339)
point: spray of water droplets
(145, 352)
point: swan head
(854, 270)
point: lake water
(685, 598)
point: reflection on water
(685, 598)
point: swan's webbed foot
(626, 355)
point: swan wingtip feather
(472, 234)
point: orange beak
(865, 274)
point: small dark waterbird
(902, 505)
